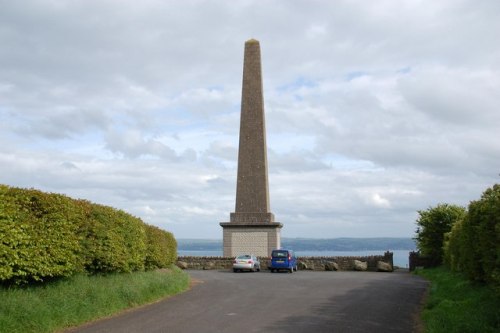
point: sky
(374, 109)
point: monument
(252, 228)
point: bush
(172, 248)
(44, 235)
(114, 241)
(474, 244)
(433, 224)
(161, 248)
(453, 249)
(37, 239)
(488, 228)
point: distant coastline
(312, 244)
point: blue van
(283, 260)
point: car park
(246, 262)
(282, 259)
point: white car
(246, 262)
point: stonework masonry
(251, 227)
(252, 188)
(255, 240)
(305, 263)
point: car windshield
(246, 256)
(280, 254)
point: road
(305, 301)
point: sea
(400, 257)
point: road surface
(305, 301)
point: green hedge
(161, 248)
(113, 241)
(433, 224)
(473, 245)
(44, 235)
(36, 240)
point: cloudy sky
(374, 109)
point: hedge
(36, 240)
(161, 248)
(113, 241)
(45, 235)
(473, 245)
(433, 224)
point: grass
(457, 305)
(73, 301)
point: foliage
(474, 243)
(114, 240)
(81, 298)
(36, 239)
(161, 249)
(433, 224)
(45, 235)
(454, 252)
(456, 304)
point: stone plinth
(259, 239)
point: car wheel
(235, 270)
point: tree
(433, 224)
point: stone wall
(308, 263)
(417, 260)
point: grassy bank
(81, 298)
(457, 305)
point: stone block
(302, 265)
(209, 265)
(383, 267)
(182, 264)
(331, 266)
(360, 265)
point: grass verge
(457, 305)
(73, 301)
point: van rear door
(279, 259)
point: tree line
(467, 240)
(47, 235)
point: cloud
(453, 96)
(132, 144)
(373, 111)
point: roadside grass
(457, 305)
(79, 299)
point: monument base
(258, 239)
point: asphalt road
(304, 301)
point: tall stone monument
(252, 228)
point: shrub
(433, 224)
(46, 235)
(488, 228)
(37, 238)
(171, 247)
(157, 254)
(453, 249)
(114, 241)
(133, 230)
(474, 243)
(162, 248)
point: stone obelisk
(252, 228)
